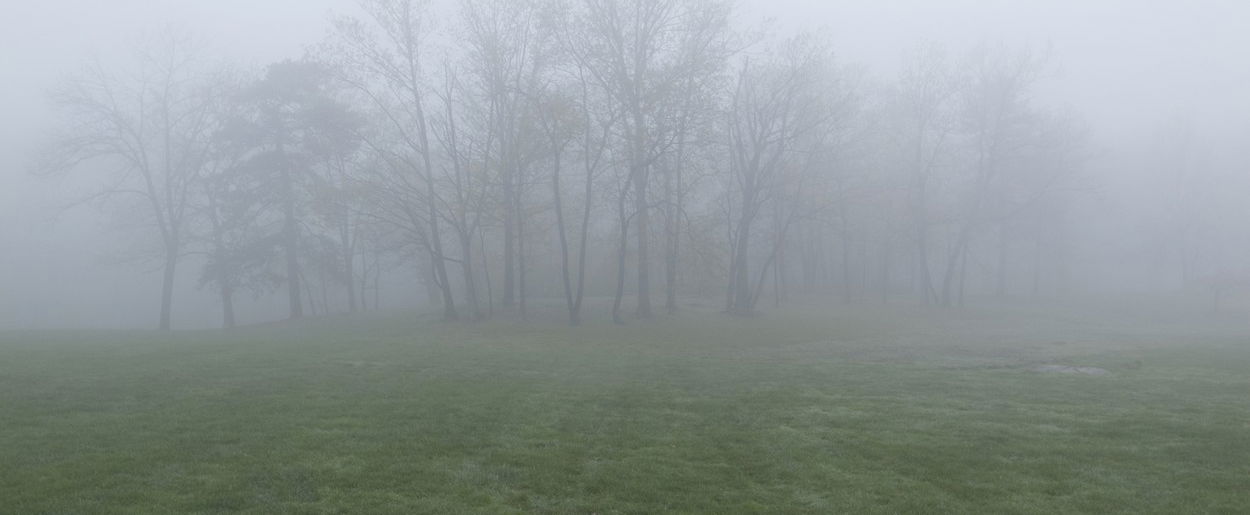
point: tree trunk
(470, 281)
(167, 285)
(509, 240)
(290, 240)
(433, 292)
(644, 260)
(520, 258)
(561, 231)
(671, 223)
(742, 273)
(352, 300)
(440, 266)
(621, 248)
(349, 266)
(227, 307)
(490, 288)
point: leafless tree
(381, 57)
(777, 106)
(150, 125)
(642, 53)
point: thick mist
(1156, 90)
(624, 256)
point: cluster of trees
(561, 149)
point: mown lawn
(818, 410)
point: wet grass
(818, 410)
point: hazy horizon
(1124, 67)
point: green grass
(816, 410)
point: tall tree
(150, 123)
(996, 115)
(776, 106)
(295, 125)
(925, 99)
(640, 53)
(381, 57)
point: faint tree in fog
(507, 53)
(643, 53)
(149, 124)
(778, 107)
(231, 205)
(381, 57)
(925, 98)
(465, 180)
(296, 127)
(997, 114)
(571, 116)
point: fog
(1154, 202)
(624, 256)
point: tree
(924, 99)
(642, 53)
(381, 58)
(995, 117)
(507, 54)
(569, 118)
(294, 124)
(232, 205)
(149, 121)
(777, 107)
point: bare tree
(232, 205)
(925, 99)
(151, 124)
(640, 52)
(569, 118)
(995, 113)
(775, 106)
(381, 57)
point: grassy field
(813, 410)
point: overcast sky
(1123, 65)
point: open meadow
(807, 410)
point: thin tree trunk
(167, 285)
(582, 247)
(561, 230)
(490, 293)
(742, 278)
(520, 260)
(470, 282)
(433, 293)
(290, 239)
(671, 222)
(227, 307)
(352, 301)
(644, 260)
(509, 240)
(622, 246)
(440, 265)
(349, 265)
(377, 280)
(325, 290)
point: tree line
(640, 150)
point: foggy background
(1130, 69)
